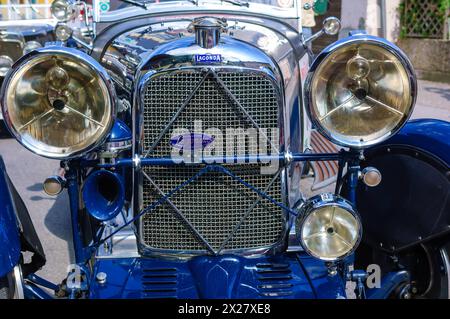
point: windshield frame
(206, 6)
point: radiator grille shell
(215, 203)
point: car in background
(23, 28)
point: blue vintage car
(183, 130)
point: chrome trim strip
(204, 6)
(18, 283)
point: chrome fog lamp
(328, 227)
(63, 32)
(360, 91)
(5, 64)
(63, 10)
(331, 25)
(371, 176)
(58, 102)
(53, 185)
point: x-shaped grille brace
(211, 74)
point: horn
(103, 195)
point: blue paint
(100, 207)
(120, 132)
(324, 285)
(73, 191)
(210, 277)
(9, 232)
(389, 283)
(42, 282)
(430, 135)
(32, 291)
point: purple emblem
(191, 140)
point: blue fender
(411, 204)
(9, 231)
(430, 135)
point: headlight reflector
(58, 102)
(328, 227)
(360, 91)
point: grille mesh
(215, 203)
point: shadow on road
(443, 92)
(57, 221)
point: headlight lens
(360, 91)
(58, 102)
(63, 10)
(328, 227)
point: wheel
(11, 285)
(427, 263)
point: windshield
(281, 8)
(25, 10)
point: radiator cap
(207, 31)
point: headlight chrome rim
(70, 53)
(315, 205)
(363, 39)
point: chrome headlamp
(328, 227)
(63, 10)
(58, 102)
(360, 91)
(63, 32)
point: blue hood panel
(220, 277)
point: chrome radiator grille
(215, 203)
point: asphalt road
(51, 215)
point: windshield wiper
(195, 2)
(237, 2)
(136, 3)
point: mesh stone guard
(166, 197)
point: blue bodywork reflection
(290, 275)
